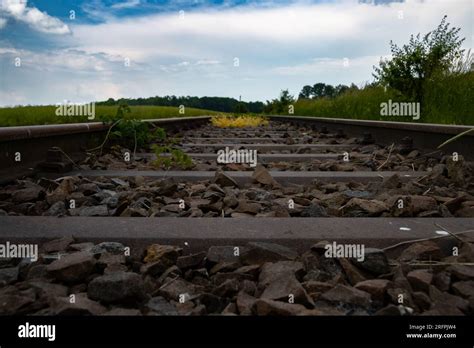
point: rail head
(42, 131)
(408, 126)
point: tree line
(222, 104)
(321, 90)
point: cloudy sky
(53, 50)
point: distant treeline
(222, 104)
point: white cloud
(126, 4)
(278, 48)
(207, 62)
(3, 22)
(66, 61)
(334, 65)
(243, 31)
(38, 20)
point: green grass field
(40, 115)
(446, 101)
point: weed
(239, 121)
(167, 156)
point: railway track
(311, 183)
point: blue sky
(141, 48)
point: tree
(281, 104)
(241, 108)
(341, 89)
(318, 90)
(286, 98)
(420, 60)
(306, 92)
(329, 91)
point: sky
(83, 51)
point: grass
(40, 115)
(238, 121)
(449, 100)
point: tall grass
(447, 100)
(450, 100)
(40, 115)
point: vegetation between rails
(239, 121)
(132, 133)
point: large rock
(8, 275)
(73, 267)
(109, 247)
(285, 289)
(29, 194)
(48, 289)
(248, 207)
(375, 261)
(166, 254)
(160, 306)
(413, 205)
(420, 280)
(262, 176)
(427, 250)
(314, 286)
(375, 287)
(245, 303)
(391, 182)
(357, 207)
(223, 253)
(353, 274)
(62, 192)
(57, 209)
(174, 287)
(443, 298)
(314, 210)
(461, 272)
(464, 289)
(117, 287)
(14, 302)
(260, 252)
(271, 272)
(346, 294)
(228, 288)
(191, 261)
(277, 308)
(81, 306)
(56, 245)
(224, 180)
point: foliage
(322, 90)
(239, 121)
(127, 131)
(280, 105)
(447, 100)
(167, 156)
(421, 60)
(221, 104)
(432, 70)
